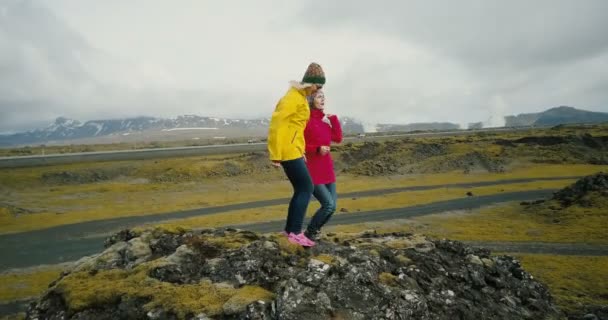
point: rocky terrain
(233, 274)
(474, 153)
(584, 191)
(408, 156)
(587, 192)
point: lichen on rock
(236, 274)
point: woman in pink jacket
(322, 129)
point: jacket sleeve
(278, 128)
(336, 129)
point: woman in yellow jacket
(286, 147)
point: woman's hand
(275, 163)
(323, 150)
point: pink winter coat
(321, 131)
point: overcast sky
(385, 61)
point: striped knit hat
(314, 74)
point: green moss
(245, 296)
(228, 241)
(328, 259)
(83, 290)
(159, 230)
(373, 248)
(400, 244)
(388, 279)
(404, 260)
(574, 281)
(15, 316)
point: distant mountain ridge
(556, 116)
(63, 128)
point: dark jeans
(298, 175)
(327, 197)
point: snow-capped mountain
(64, 128)
(68, 129)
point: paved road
(55, 159)
(70, 242)
(13, 307)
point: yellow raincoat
(286, 132)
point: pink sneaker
(300, 239)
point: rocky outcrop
(406, 157)
(580, 192)
(233, 274)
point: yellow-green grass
(574, 281)
(57, 205)
(395, 200)
(83, 290)
(25, 284)
(514, 222)
(507, 222)
(180, 169)
(356, 183)
(17, 316)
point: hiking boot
(314, 235)
(300, 239)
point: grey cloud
(49, 70)
(388, 61)
(39, 63)
(516, 56)
(482, 32)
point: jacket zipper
(294, 137)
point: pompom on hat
(314, 74)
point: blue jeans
(298, 175)
(327, 197)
